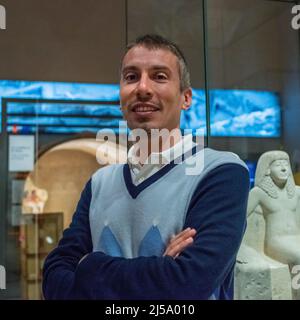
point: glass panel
(79, 43)
(253, 72)
(51, 152)
(253, 77)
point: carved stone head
(274, 170)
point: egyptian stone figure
(276, 196)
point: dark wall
(63, 40)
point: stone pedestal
(257, 277)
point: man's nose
(144, 89)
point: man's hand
(179, 242)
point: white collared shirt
(157, 160)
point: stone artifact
(271, 247)
(34, 199)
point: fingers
(186, 233)
(177, 249)
(179, 242)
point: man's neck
(157, 144)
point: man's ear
(187, 95)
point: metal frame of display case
(3, 182)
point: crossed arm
(179, 242)
(217, 213)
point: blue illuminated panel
(234, 113)
(245, 113)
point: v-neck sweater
(124, 230)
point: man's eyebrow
(128, 68)
(160, 67)
(154, 67)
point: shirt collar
(161, 158)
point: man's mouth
(144, 109)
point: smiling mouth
(144, 109)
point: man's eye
(130, 76)
(161, 76)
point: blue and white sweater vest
(130, 221)
(121, 230)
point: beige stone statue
(276, 197)
(34, 199)
(275, 191)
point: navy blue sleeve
(60, 265)
(217, 211)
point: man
(117, 246)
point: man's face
(150, 89)
(279, 171)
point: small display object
(34, 198)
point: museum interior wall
(63, 41)
(229, 45)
